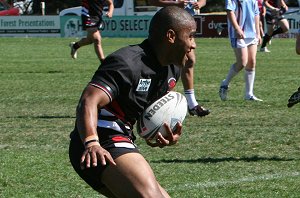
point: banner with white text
(30, 26)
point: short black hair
(170, 17)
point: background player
(262, 14)
(92, 11)
(295, 97)
(187, 74)
(244, 34)
(274, 16)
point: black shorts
(114, 142)
(91, 21)
(271, 20)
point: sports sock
(231, 73)
(249, 82)
(190, 97)
(278, 31)
(266, 39)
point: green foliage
(214, 6)
(242, 149)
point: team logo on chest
(143, 85)
(171, 83)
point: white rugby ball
(171, 108)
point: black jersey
(133, 78)
(274, 3)
(92, 7)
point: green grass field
(242, 149)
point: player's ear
(171, 35)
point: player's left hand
(170, 139)
(259, 40)
(109, 14)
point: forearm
(201, 3)
(232, 19)
(257, 26)
(86, 115)
(110, 8)
(268, 5)
(163, 3)
(283, 4)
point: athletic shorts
(91, 21)
(116, 143)
(271, 19)
(242, 43)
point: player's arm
(199, 4)
(270, 7)
(264, 10)
(257, 28)
(298, 43)
(111, 8)
(232, 18)
(283, 4)
(164, 3)
(87, 118)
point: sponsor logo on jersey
(143, 85)
(158, 105)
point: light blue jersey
(245, 12)
(190, 8)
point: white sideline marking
(188, 186)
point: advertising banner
(208, 25)
(37, 26)
(211, 25)
(118, 26)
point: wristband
(91, 141)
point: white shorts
(242, 43)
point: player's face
(185, 43)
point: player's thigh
(93, 33)
(131, 177)
(241, 55)
(252, 50)
(284, 24)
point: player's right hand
(171, 139)
(275, 11)
(94, 154)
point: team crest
(143, 85)
(171, 83)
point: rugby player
(91, 16)
(274, 17)
(244, 34)
(102, 149)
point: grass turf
(242, 149)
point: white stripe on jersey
(124, 145)
(109, 125)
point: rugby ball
(171, 108)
